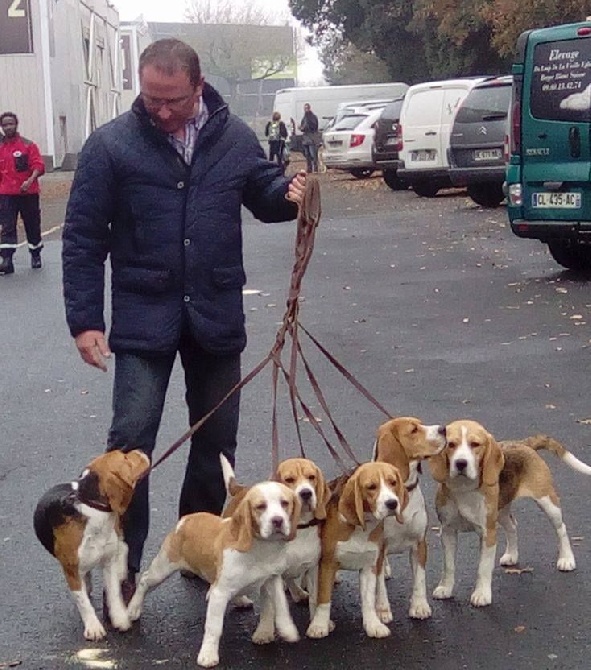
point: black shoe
(6, 266)
(36, 261)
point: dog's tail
(550, 444)
(232, 486)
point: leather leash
(307, 222)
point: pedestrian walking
(276, 134)
(160, 190)
(309, 128)
(21, 166)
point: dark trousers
(310, 151)
(276, 151)
(27, 205)
(138, 399)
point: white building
(60, 71)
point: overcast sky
(310, 71)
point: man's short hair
(8, 115)
(170, 55)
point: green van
(549, 172)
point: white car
(347, 145)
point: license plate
(487, 154)
(392, 140)
(335, 143)
(423, 155)
(563, 200)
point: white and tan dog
(247, 550)
(405, 442)
(478, 480)
(80, 524)
(353, 539)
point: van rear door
(556, 126)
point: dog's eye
(474, 445)
(391, 481)
(261, 507)
(451, 445)
(284, 504)
(415, 429)
(312, 478)
(372, 486)
(289, 480)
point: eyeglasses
(171, 103)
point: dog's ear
(294, 516)
(492, 462)
(439, 466)
(402, 496)
(243, 526)
(322, 495)
(351, 502)
(389, 449)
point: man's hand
(93, 348)
(297, 187)
(26, 185)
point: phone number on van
(564, 200)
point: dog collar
(95, 504)
(413, 486)
(310, 524)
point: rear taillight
(515, 140)
(356, 140)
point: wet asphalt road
(441, 313)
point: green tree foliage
(430, 39)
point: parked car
(548, 176)
(347, 145)
(477, 157)
(387, 143)
(346, 109)
(426, 117)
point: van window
(484, 103)
(392, 110)
(350, 122)
(423, 104)
(561, 81)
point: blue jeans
(310, 151)
(139, 392)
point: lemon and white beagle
(307, 481)
(353, 539)
(478, 480)
(80, 524)
(405, 442)
(247, 550)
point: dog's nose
(305, 495)
(442, 431)
(392, 504)
(277, 522)
(461, 465)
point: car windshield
(349, 122)
(485, 104)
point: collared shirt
(186, 146)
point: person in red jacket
(20, 166)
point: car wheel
(393, 180)
(362, 173)
(570, 255)
(426, 189)
(487, 195)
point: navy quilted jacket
(173, 232)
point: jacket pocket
(228, 278)
(142, 280)
(21, 162)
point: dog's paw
(134, 609)
(442, 592)
(298, 595)
(481, 597)
(263, 635)
(318, 631)
(384, 614)
(208, 657)
(419, 609)
(242, 603)
(566, 563)
(288, 632)
(508, 559)
(377, 629)
(94, 631)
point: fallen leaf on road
(517, 571)
(519, 629)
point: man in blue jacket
(160, 191)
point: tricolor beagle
(353, 539)
(79, 524)
(404, 442)
(247, 550)
(306, 480)
(478, 480)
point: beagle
(80, 524)
(478, 479)
(306, 480)
(246, 550)
(404, 442)
(353, 539)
